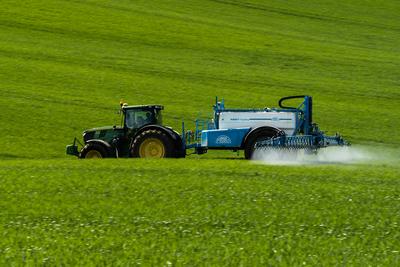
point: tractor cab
(135, 117)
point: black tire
(153, 144)
(93, 150)
(258, 136)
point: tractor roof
(159, 107)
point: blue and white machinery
(252, 129)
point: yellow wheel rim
(93, 154)
(152, 148)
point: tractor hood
(103, 128)
(106, 133)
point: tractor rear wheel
(93, 151)
(152, 144)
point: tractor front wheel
(152, 144)
(93, 151)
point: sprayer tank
(285, 121)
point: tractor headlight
(87, 136)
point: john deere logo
(223, 139)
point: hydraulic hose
(287, 98)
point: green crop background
(65, 65)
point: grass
(64, 66)
(156, 213)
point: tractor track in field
(109, 37)
(43, 99)
(171, 73)
(288, 12)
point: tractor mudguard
(109, 148)
(176, 138)
(256, 131)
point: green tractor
(141, 135)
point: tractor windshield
(137, 118)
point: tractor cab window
(135, 118)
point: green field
(65, 65)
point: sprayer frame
(306, 133)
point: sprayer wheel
(258, 136)
(249, 147)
